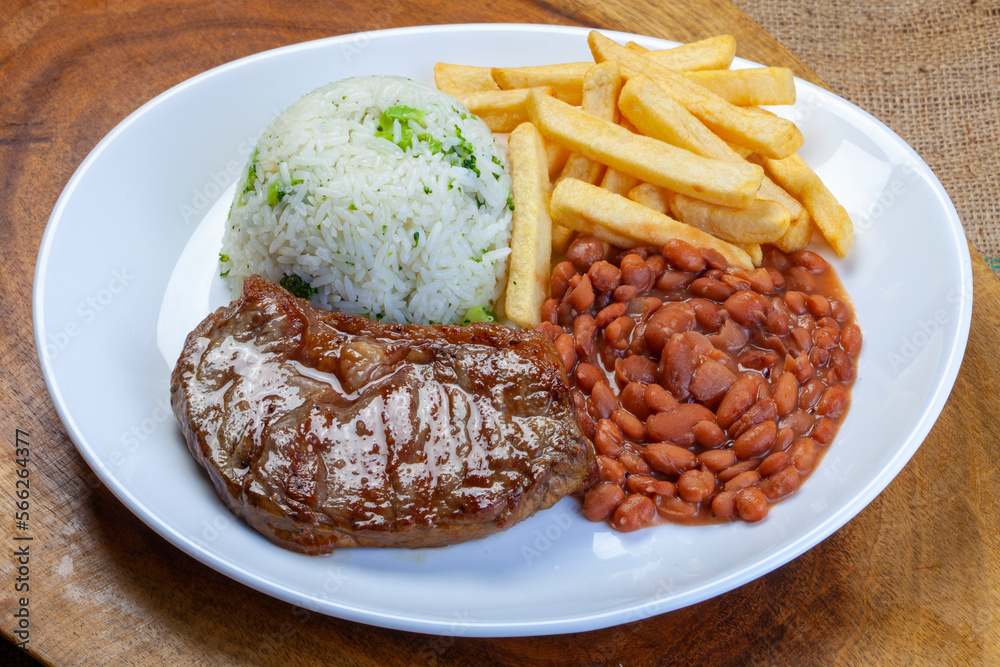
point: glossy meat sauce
(325, 430)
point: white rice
(403, 235)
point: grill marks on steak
(325, 430)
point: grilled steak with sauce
(325, 430)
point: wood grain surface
(913, 579)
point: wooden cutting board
(915, 578)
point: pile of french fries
(640, 147)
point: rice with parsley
(376, 196)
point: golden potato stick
(754, 250)
(798, 235)
(566, 79)
(501, 110)
(658, 115)
(766, 134)
(763, 222)
(748, 87)
(557, 155)
(644, 158)
(615, 219)
(705, 54)
(456, 80)
(618, 182)
(562, 237)
(531, 240)
(601, 85)
(802, 183)
(652, 196)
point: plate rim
(655, 605)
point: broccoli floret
(297, 286)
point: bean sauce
(710, 392)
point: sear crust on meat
(325, 430)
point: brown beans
(803, 454)
(675, 425)
(786, 394)
(833, 402)
(743, 480)
(609, 470)
(781, 483)
(751, 504)
(609, 314)
(633, 513)
(746, 308)
(823, 430)
(850, 339)
(617, 333)
(756, 440)
(739, 397)
(659, 399)
(628, 424)
(608, 438)
(587, 375)
(671, 280)
(673, 507)
(604, 276)
(724, 505)
(809, 261)
(585, 333)
(633, 399)
(695, 486)
(561, 275)
(582, 296)
(668, 459)
(567, 350)
(735, 378)
(708, 434)
(717, 460)
(601, 500)
(636, 272)
(710, 381)
(650, 485)
(709, 288)
(773, 463)
(683, 256)
(584, 251)
(602, 400)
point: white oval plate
(127, 267)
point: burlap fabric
(928, 69)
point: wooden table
(915, 578)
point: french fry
(647, 159)
(531, 242)
(802, 183)
(565, 79)
(501, 110)
(601, 85)
(705, 54)
(457, 80)
(767, 134)
(763, 222)
(652, 196)
(798, 235)
(625, 223)
(557, 156)
(618, 182)
(754, 250)
(748, 87)
(658, 115)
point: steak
(324, 430)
